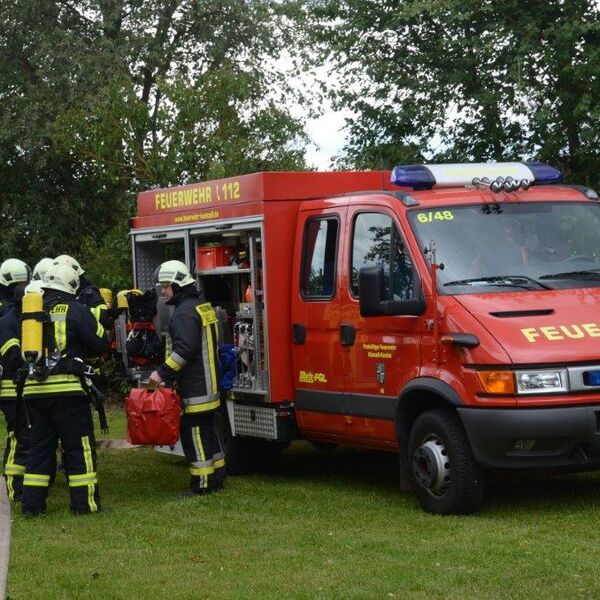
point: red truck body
(508, 362)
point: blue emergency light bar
(425, 177)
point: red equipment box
(211, 257)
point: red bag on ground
(152, 416)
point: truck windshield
(512, 247)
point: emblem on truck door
(380, 369)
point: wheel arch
(417, 396)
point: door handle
(347, 334)
(298, 333)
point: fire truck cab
(448, 313)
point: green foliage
(113, 385)
(465, 80)
(102, 99)
(108, 260)
(380, 155)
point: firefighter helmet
(69, 260)
(41, 267)
(34, 286)
(61, 277)
(173, 271)
(13, 270)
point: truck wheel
(264, 454)
(237, 457)
(447, 478)
(243, 455)
(324, 446)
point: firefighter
(192, 363)
(13, 273)
(15, 452)
(41, 267)
(57, 399)
(88, 294)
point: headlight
(541, 382)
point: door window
(320, 253)
(376, 242)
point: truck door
(386, 351)
(318, 357)
(152, 248)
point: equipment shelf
(221, 271)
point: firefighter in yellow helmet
(193, 366)
(57, 400)
(14, 273)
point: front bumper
(534, 437)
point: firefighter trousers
(15, 452)
(70, 420)
(202, 449)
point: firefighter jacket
(193, 361)
(73, 335)
(90, 296)
(10, 352)
(6, 299)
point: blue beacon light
(544, 173)
(417, 177)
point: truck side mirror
(371, 294)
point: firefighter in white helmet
(88, 294)
(34, 286)
(14, 273)
(69, 260)
(17, 438)
(41, 267)
(57, 400)
(193, 365)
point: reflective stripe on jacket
(75, 334)
(90, 296)
(193, 361)
(10, 352)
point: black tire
(243, 455)
(447, 479)
(264, 455)
(324, 446)
(237, 457)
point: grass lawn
(319, 525)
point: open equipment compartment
(236, 291)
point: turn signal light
(497, 382)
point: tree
(465, 79)
(103, 98)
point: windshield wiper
(591, 274)
(502, 280)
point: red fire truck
(449, 313)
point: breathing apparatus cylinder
(107, 295)
(32, 328)
(122, 299)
